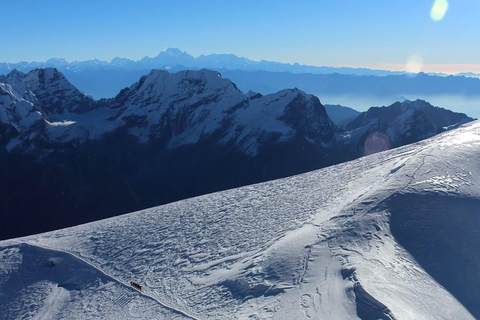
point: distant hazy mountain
(167, 137)
(338, 84)
(102, 79)
(469, 74)
(357, 88)
(340, 115)
(175, 58)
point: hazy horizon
(432, 68)
(427, 35)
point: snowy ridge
(332, 243)
(191, 105)
(187, 107)
(402, 123)
(188, 104)
(181, 108)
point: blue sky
(378, 34)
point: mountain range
(393, 235)
(173, 57)
(167, 137)
(354, 87)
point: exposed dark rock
(368, 308)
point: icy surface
(313, 246)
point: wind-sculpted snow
(201, 236)
(343, 242)
(48, 284)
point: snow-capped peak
(160, 82)
(15, 77)
(55, 94)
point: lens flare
(376, 142)
(439, 9)
(414, 64)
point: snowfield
(393, 235)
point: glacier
(393, 235)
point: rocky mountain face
(383, 128)
(53, 93)
(68, 159)
(20, 120)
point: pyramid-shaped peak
(15, 77)
(55, 93)
(16, 72)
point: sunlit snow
(329, 244)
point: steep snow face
(307, 115)
(189, 106)
(55, 94)
(183, 106)
(281, 116)
(20, 114)
(343, 242)
(15, 80)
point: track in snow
(123, 301)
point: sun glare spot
(439, 9)
(414, 64)
(376, 142)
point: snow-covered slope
(390, 236)
(167, 137)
